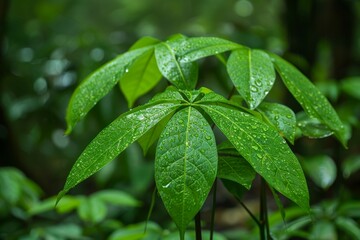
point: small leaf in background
(321, 169)
(97, 85)
(329, 88)
(236, 189)
(116, 197)
(323, 229)
(252, 73)
(282, 117)
(151, 136)
(67, 204)
(192, 49)
(116, 137)
(136, 232)
(92, 210)
(310, 98)
(181, 75)
(144, 42)
(351, 165)
(351, 86)
(312, 127)
(140, 77)
(265, 150)
(185, 165)
(232, 166)
(349, 226)
(278, 203)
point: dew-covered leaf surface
(97, 85)
(181, 75)
(310, 98)
(282, 117)
(312, 127)
(192, 49)
(111, 141)
(185, 165)
(252, 73)
(265, 150)
(140, 77)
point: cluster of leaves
(187, 159)
(24, 216)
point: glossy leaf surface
(140, 77)
(111, 141)
(234, 167)
(321, 169)
(252, 73)
(310, 98)
(282, 117)
(265, 150)
(192, 49)
(181, 75)
(185, 165)
(97, 85)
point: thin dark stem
(263, 209)
(249, 212)
(232, 92)
(212, 223)
(198, 226)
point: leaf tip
(60, 196)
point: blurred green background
(48, 48)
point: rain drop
(167, 185)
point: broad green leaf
(150, 137)
(92, 210)
(265, 150)
(116, 197)
(192, 49)
(185, 165)
(321, 169)
(349, 226)
(181, 75)
(309, 97)
(351, 165)
(140, 77)
(252, 73)
(351, 86)
(282, 117)
(312, 127)
(234, 167)
(144, 42)
(115, 138)
(278, 203)
(97, 85)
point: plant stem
(249, 212)
(212, 223)
(264, 221)
(198, 226)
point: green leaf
(116, 197)
(144, 42)
(321, 169)
(351, 165)
(349, 226)
(265, 150)
(150, 137)
(278, 203)
(97, 85)
(323, 230)
(185, 165)
(181, 75)
(140, 77)
(252, 73)
(312, 127)
(192, 49)
(116, 137)
(234, 167)
(136, 232)
(309, 97)
(282, 117)
(92, 210)
(351, 86)
(236, 189)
